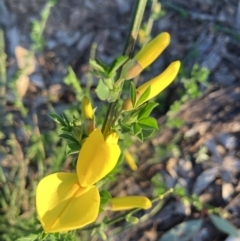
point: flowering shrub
(68, 201)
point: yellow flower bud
(129, 202)
(146, 56)
(156, 84)
(130, 160)
(152, 49)
(87, 110)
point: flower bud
(129, 202)
(130, 160)
(87, 110)
(156, 84)
(145, 56)
(152, 49)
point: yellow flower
(130, 160)
(88, 114)
(63, 205)
(129, 202)
(67, 201)
(156, 84)
(97, 158)
(146, 56)
(87, 110)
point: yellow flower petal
(63, 205)
(157, 84)
(87, 110)
(96, 158)
(152, 49)
(160, 82)
(129, 202)
(130, 160)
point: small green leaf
(223, 225)
(148, 123)
(131, 219)
(102, 90)
(125, 128)
(103, 65)
(182, 232)
(106, 194)
(117, 63)
(133, 94)
(144, 96)
(66, 119)
(146, 110)
(136, 129)
(68, 137)
(66, 129)
(108, 82)
(57, 119)
(140, 136)
(147, 133)
(96, 66)
(113, 95)
(31, 237)
(73, 148)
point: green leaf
(103, 65)
(148, 133)
(136, 129)
(57, 119)
(117, 63)
(223, 225)
(96, 66)
(148, 123)
(106, 194)
(102, 90)
(125, 128)
(108, 82)
(133, 94)
(140, 136)
(113, 96)
(144, 96)
(146, 110)
(31, 237)
(66, 119)
(69, 138)
(182, 232)
(73, 148)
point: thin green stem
(131, 212)
(136, 20)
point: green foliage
(38, 27)
(191, 90)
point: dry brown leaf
(27, 63)
(25, 60)
(22, 84)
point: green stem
(138, 11)
(131, 212)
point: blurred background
(197, 147)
